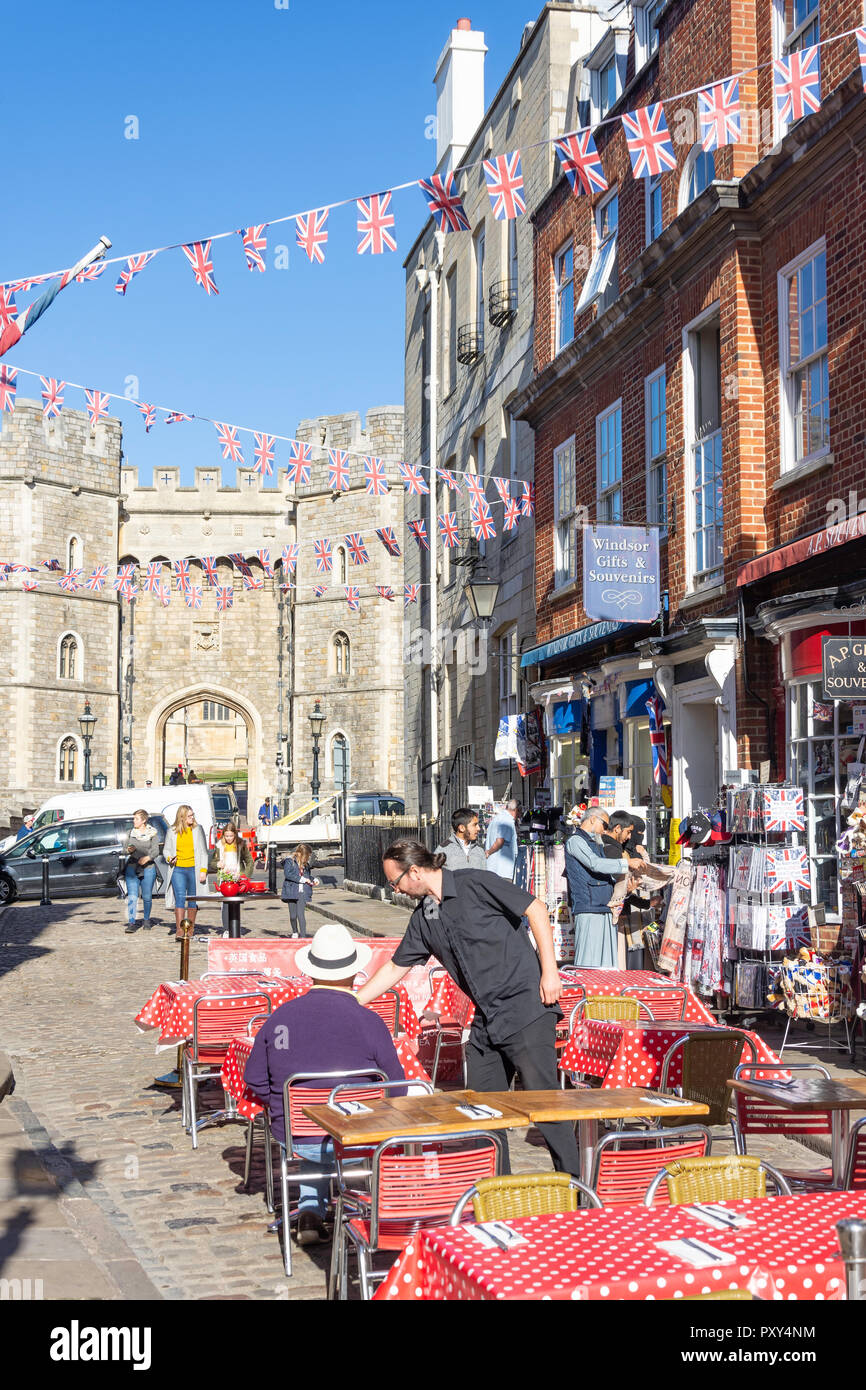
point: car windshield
(46, 842)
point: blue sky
(245, 112)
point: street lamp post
(87, 723)
(431, 279)
(317, 720)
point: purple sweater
(326, 1030)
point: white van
(162, 801)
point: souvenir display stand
(540, 869)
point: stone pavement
(101, 1194)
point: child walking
(298, 887)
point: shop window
(805, 359)
(609, 465)
(820, 745)
(563, 276)
(656, 449)
(565, 515)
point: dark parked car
(84, 858)
(225, 807)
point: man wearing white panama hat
(326, 1030)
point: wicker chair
(533, 1194)
(731, 1179)
(610, 1006)
(709, 1060)
(720, 1296)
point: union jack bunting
(71, 581)
(8, 308)
(52, 396)
(263, 454)
(861, 50)
(719, 114)
(448, 477)
(649, 141)
(527, 501)
(8, 388)
(374, 477)
(300, 463)
(374, 221)
(419, 531)
(148, 413)
(410, 594)
(505, 185)
(413, 478)
(312, 233)
(338, 470)
(481, 521)
(251, 583)
(783, 808)
(240, 561)
(290, 557)
(353, 596)
(97, 405)
(356, 548)
(28, 585)
(318, 590)
(448, 529)
(787, 870)
(55, 565)
(264, 559)
(130, 592)
(444, 203)
(255, 245)
(510, 515)
(475, 487)
(658, 741)
(503, 488)
(797, 84)
(165, 595)
(198, 253)
(153, 579)
(92, 272)
(192, 596)
(580, 162)
(388, 538)
(385, 591)
(181, 574)
(209, 565)
(97, 579)
(175, 417)
(228, 438)
(123, 579)
(134, 266)
(225, 597)
(324, 557)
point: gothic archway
(201, 694)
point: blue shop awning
(574, 641)
(636, 695)
(568, 717)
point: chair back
(611, 1006)
(387, 1006)
(462, 1007)
(735, 1177)
(709, 1060)
(760, 1115)
(666, 1001)
(298, 1092)
(530, 1194)
(414, 1187)
(216, 1019)
(623, 1168)
(855, 1168)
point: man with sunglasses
(470, 920)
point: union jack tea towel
(787, 870)
(783, 808)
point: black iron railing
(470, 344)
(502, 303)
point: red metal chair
(387, 1006)
(216, 1019)
(756, 1115)
(855, 1168)
(453, 1032)
(665, 1001)
(623, 1167)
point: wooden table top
(816, 1094)
(429, 1116)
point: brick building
(697, 367)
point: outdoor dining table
(233, 904)
(170, 1007)
(623, 1053)
(615, 981)
(839, 1097)
(790, 1251)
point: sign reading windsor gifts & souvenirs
(621, 573)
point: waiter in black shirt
(470, 920)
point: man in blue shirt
(266, 812)
(26, 827)
(501, 841)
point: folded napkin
(495, 1235)
(664, 1100)
(479, 1112)
(720, 1218)
(350, 1107)
(695, 1252)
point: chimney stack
(459, 93)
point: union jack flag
(787, 870)
(861, 49)
(134, 266)
(357, 549)
(181, 574)
(71, 581)
(385, 591)
(444, 203)
(300, 463)
(353, 596)
(264, 559)
(92, 272)
(52, 396)
(719, 113)
(175, 417)
(527, 501)
(165, 595)
(8, 307)
(448, 477)
(324, 558)
(290, 557)
(481, 521)
(97, 405)
(580, 162)
(97, 579)
(797, 84)
(231, 447)
(130, 592)
(153, 579)
(783, 808)
(28, 585)
(338, 470)
(192, 596)
(649, 141)
(123, 579)
(658, 741)
(503, 487)
(225, 597)
(413, 478)
(312, 234)
(241, 562)
(388, 538)
(255, 244)
(149, 416)
(419, 531)
(209, 565)
(198, 253)
(373, 223)
(475, 487)
(410, 594)
(8, 388)
(251, 583)
(510, 515)
(264, 454)
(374, 477)
(505, 185)
(318, 590)
(55, 564)
(448, 529)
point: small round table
(234, 905)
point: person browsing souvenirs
(590, 875)
(470, 920)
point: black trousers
(532, 1054)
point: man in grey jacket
(462, 850)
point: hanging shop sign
(843, 662)
(621, 573)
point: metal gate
(456, 788)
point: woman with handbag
(142, 849)
(186, 854)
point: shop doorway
(696, 755)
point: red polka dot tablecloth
(248, 1106)
(626, 1055)
(791, 1252)
(615, 981)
